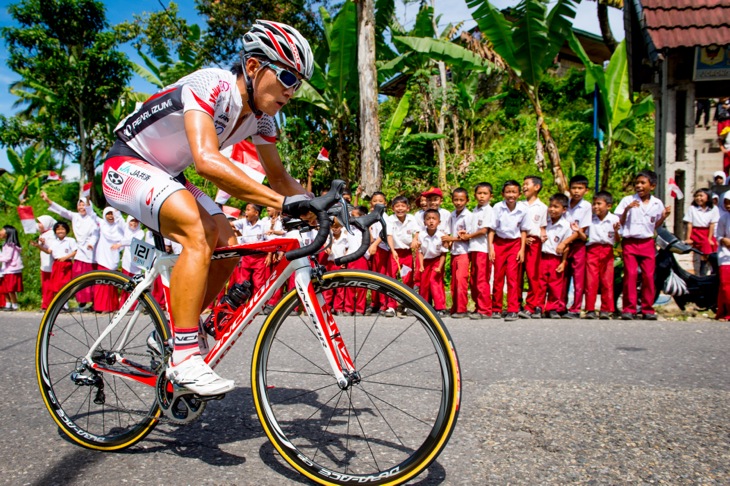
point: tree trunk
(606, 168)
(87, 166)
(606, 31)
(547, 139)
(371, 170)
(441, 122)
(455, 122)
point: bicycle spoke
(365, 436)
(302, 356)
(412, 387)
(334, 409)
(387, 346)
(370, 375)
(393, 406)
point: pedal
(210, 398)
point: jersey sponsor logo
(114, 180)
(148, 199)
(152, 110)
(125, 168)
(140, 174)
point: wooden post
(370, 168)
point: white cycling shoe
(195, 375)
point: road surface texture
(544, 402)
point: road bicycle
(343, 398)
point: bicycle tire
(127, 410)
(409, 394)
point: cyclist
(189, 122)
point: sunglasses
(287, 78)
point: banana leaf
(495, 27)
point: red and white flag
(54, 176)
(27, 219)
(231, 212)
(324, 155)
(86, 193)
(246, 158)
(674, 190)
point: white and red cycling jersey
(156, 131)
(145, 166)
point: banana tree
(163, 69)
(617, 113)
(334, 86)
(29, 170)
(528, 47)
(419, 51)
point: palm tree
(528, 47)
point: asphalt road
(549, 402)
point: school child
(356, 299)
(507, 249)
(480, 268)
(11, 261)
(725, 148)
(459, 221)
(431, 261)
(274, 229)
(422, 205)
(701, 219)
(554, 258)
(723, 260)
(435, 197)
(63, 250)
(536, 222)
(251, 267)
(340, 247)
(719, 178)
(86, 233)
(402, 232)
(45, 227)
(579, 212)
(380, 258)
(107, 255)
(603, 234)
(639, 216)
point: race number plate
(143, 254)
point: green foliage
(28, 171)
(71, 73)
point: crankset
(180, 405)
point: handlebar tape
(319, 205)
(363, 223)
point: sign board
(712, 63)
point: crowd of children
(562, 253)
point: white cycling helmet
(279, 42)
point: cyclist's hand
(299, 206)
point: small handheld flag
(324, 155)
(27, 219)
(86, 193)
(674, 190)
(54, 176)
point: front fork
(323, 322)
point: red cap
(434, 191)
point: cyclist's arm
(281, 181)
(215, 167)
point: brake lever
(384, 231)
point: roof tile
(687, 23)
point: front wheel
(383, 429)
(110, 403)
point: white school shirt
(556, 234)
(601, 232)
(481, 217)
(86, 230)
(460, 222)
(641, 221)
(419, 216)
(582, 213)
(61, 248)
(702, 218)
(49, 238)
(403, 232)
(273, 225)
(375, 232)
(509, 224)
(431, 246)
(250, 233)
(536, 217)
(109, 234)
(444, 225)
(340, 247)
(722, 230)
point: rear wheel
(385, 428)
(113, 407)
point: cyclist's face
(271, 96)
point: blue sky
(451, 11)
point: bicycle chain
(162, 418)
